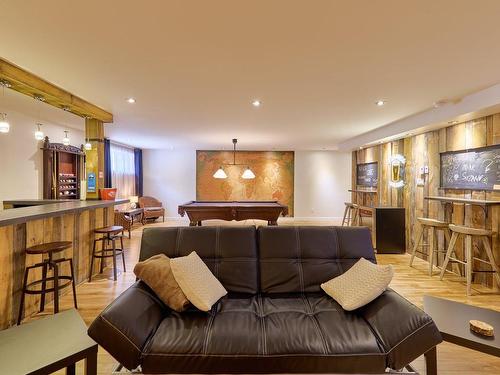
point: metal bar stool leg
(92, 261)
(44, 286)
(73, 282)
(55, 269)
(123, 255)
(101, 263)
(451, 249)
(23, 295)
(114, 258)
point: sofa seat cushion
(279, 333)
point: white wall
(21, 169)
(170, 176)
(322, 179)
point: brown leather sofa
(275, 318)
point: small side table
(452, 319)
(44, 346)
(134, 213)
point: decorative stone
(481, 327)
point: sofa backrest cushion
(300, 258)
(229, 252)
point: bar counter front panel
(28, 226)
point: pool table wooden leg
(199, 223)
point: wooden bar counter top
(41, 221)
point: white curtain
(122, 170)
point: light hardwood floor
(412, 283)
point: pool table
(197, 211)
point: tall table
(448, 202)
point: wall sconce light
(66, 140)
(38, 132)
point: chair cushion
(279, 333)
(299, 259)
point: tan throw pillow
(199, 285)
(361, 284)
(157, 274)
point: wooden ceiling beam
(29, 84)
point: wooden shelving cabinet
(63, 169)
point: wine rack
(63, 169)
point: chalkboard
(476, 169)
(367, 174)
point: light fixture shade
(88, 146)
(4, 125)
(248, 174)
(66, 140)
(220, 173)
(38, 132)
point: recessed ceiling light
(256, 103)
(380, 103)
(131, 100)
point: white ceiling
(195, 66)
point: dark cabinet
(390, 230)
(63, 169)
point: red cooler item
(107, 194)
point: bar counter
(41, 221)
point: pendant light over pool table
(247, 174)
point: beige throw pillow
(157, 274)
(199, 285)
(361, 284)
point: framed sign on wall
(475, 169)
(367, 174)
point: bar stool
(49, 248)
(433, 225)
(351, 213)
(110, 235)
(469, 232)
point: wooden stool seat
(39, 286)
(49, 247)
(433, 226)
(468, 232)
(109, 230)
(110, 235)
(471, 231)
(432, 222)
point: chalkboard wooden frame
(357, 174)
(467, 150)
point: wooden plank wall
(78, 228)
(423, 149)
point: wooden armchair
(124, 221)
(153, 208)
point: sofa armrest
(126, 325)
(404, 331)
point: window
(122, 170)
